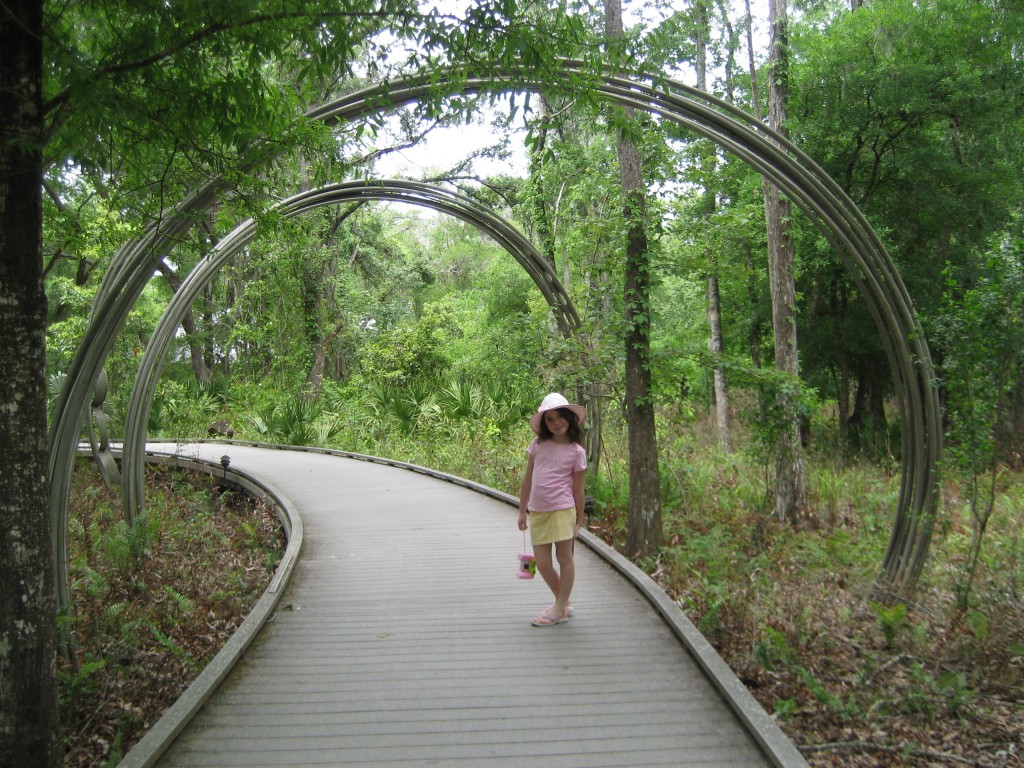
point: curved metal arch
(839, 220)
(776, 158)
(413, 193)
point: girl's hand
(522, 521)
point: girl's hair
(574, 431)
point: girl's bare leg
(565, 579)
(546, 566)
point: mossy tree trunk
(29, 735)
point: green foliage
(295, 421)
(438, 411)
(494, 407)
(980, 335)
(408, 352)
(181, 602)
(828, 486)
(772, 651)
(463, 401)
(821, 692)
(680, 365)
(167, 642)
(895, 93)
(1008, 550)
(186, 408)
(902, 91)
(892, 620)
(92, 582)
(125, 546)
(403, 407)
(981, 369)
(932, 696)
(80, 680)
(503, 327)
(785, 708)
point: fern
(185, 605)
(166, 641)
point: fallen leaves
(139, 635)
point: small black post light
(225, 460)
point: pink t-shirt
(553, 467)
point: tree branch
(220, 27)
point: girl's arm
(580, 497)
(524, 493)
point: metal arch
(807, 185)
(130, 271)
(871, 267)
(414, 193)
(835, 215)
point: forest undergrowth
(854, 681)
(854, 677)
(152, 603)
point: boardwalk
(403, 639)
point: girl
(552, 494)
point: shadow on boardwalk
(403, 638)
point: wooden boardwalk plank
(403, 639)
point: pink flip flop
(548, 619)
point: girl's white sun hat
(551, 402)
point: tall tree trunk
(868, 414)
(540, 211)
(311, 278)
(643, 537)
(839, 300)
(315, 379)
(596, 389)
(28, 627)
(714, 304)
(752, 292)
(200, 369)
(715, 346)
(790, 474)
(756, 339)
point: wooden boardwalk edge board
(173, 721)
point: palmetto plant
(293, 422)
(463, 400)
(427, 404)
(54, 386)
(406, 408)
(492, 405)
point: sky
(445, 147)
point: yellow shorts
(546, 527)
